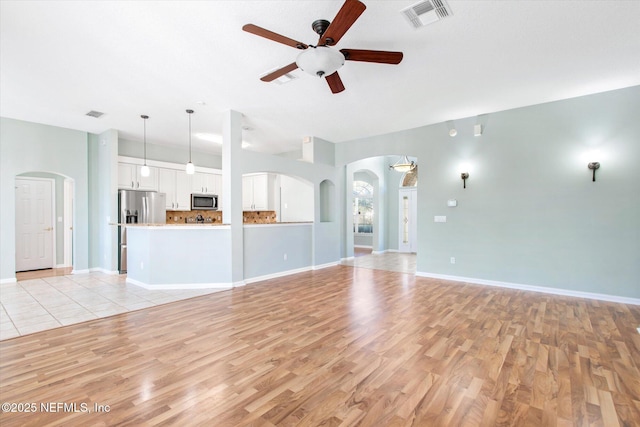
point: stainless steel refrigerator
(137, 207)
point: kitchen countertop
(176, 224)
(211, 224)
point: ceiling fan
(322, 60)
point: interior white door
(34, 224)
(408, 210)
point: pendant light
(190, 168)
(403, 165)
(144, 170)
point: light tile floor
(391, 261)
(34, 305)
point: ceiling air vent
(95, 114)
(427, 12)
(285, 78)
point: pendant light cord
(145, 117)
(190, 112)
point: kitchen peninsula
(193, 250)
(185, 256)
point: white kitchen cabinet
(257, 192)
(176, 185)
(130, 178)
(205, 183)
(183, 193)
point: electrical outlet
(285, 257)
(141, 265)
(453, 260)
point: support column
(232, 190)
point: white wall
(296, 200)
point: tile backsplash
(187, 217)
(215, 217)
(259, 217)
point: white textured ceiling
(58, 60)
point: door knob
(48, 229)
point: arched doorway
(365, 212)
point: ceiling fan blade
(280, 72)
(259, 31)
(380, 56)
(347, 15)
(335, 82)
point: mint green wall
(31, 147)
(94, 199)
(163, 153)
(530, 214)
(107, 191)
(326, 238)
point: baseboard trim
(363, 246)
(103, 270)
(327, 265)
(85, 271)
(179, 286)
(532, 288)
(349, 258)
(9, 280)
(276, 275)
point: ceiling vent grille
(95, 114)
(285, 78)
(427, 12)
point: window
(362, 207)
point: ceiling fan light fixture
(320, 61)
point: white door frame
(68, 222)
(53, 212)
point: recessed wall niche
(327, 201)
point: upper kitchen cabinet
(176, 184)
(130, 178)
(206, 183)
(257, 192)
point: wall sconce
(464, 176)
(593, 166)
(464, 169)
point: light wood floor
(338, 346)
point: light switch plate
(439, 218)
(452, 203)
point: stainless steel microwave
(207, 202)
